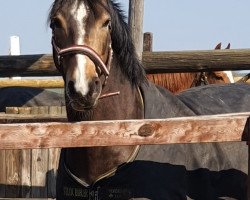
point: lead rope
(110, 56)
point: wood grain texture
(33, 170)
(13, 178)
(33, 83)
(216, 128)
(148, 42)
(248, 177)
(191, 61)
(136, 15)
(25, 172)
(25, 163)
(53, 162)
(27, 65)
(39, 167)
(2, 173)
(39, 170)
(32, 118)
(154, 62)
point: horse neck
(89, 164)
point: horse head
(88, 37)
(220, 77)
(82, 49)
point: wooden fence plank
(2, 173)
(148, 42)
(26, 161)
(20, 118)
(32, 183)
(53, 163)
(39, 169)
(49, 83)
(215, 128)
(154, 62)
(248, 177)
(26, 173)
(191, 61)
(13, 178)
(53, 159)
(27, 65)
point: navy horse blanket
(181, 171)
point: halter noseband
(85, 50)
(103, 68)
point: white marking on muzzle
(79, 13)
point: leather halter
(102, 68)
(244, 79)
(200, 79)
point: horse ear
(218, 46)
(228, 46)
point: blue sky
(176, 24)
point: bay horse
(104, 80)
(178, 82)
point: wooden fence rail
(38, 83)
(27, 65)
(193, 61)
(216, 128)
(154, 62)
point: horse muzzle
(80, 101)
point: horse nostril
(71, 88)
(97, 83)
(95, 86)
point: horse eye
(218, 78)
(55, 23)
(107, 24)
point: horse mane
(122, 43)
(123, 46)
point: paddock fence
(31, 138)
(42, 65)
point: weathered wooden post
(148, 42)
(248, 177)
(136, 14)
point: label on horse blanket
(68, 188)
(135, 180)
(149, 179)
